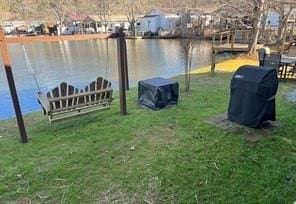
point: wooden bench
(67, 101)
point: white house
(8, 27)
(113, 23)
(273, 18)
(117, 21)
(157, 20)
(208, 19)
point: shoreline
(228, 65)
(47, 38)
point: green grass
(168, 156)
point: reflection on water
(80, 62)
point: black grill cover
(158, 93)
(252, 99)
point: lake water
(80, 62)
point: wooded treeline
(56, 10)
(48, 8)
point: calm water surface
(80, 62)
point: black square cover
(157, 93)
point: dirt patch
(9, 127)
(118, 194)
(251, 135)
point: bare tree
(104, 10)
(284, 9)
(59, 9)
(131, 8)
(255, 10)
(187, 30)
(22, 8)
(259, 7)
(3, 10)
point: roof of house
(170, 12)
(113, 18)
(158, 12)
(92, 18)
(75, 17)
(150, 16)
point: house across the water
(112, 23)
(157, 20)
(273, 18)
(93, 22)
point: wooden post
(213, 66)
(126, 66)
(232, 39)
(121, 49)
(292, 32)
(247, 37)
(284, 39)
(228, 38)
(12, 88)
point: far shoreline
(48, 38)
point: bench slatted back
(99, 84)
(65, 96)
(63, 90)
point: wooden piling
(126, 66)
(213, 64)
(232, 39)
(122, 71)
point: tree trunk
(292, 33)
(254, 40)
(105, 26)
(258, 16)
(61, 26)
(264, 17)
(133, 27)
(186, 64)
(280, 32)
(282, 50)
(282, 29)
(61, 29)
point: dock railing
(231, 38)
(229, 41)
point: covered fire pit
(158, 93)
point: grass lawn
(168, 156)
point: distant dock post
(213, 57)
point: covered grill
(252, 99)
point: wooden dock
(233, 47)
(233, 41)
